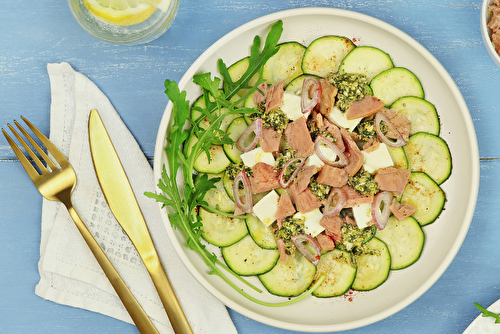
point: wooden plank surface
(34, 33)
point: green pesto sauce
(319, 190)
(284, 156)
(233, 169)
(364, 183)
(287, 173)
(291, 226)
(351, 87)
(354, 239)
(275, 119)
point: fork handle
(137, 313)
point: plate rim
(431, 280)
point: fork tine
(52, 149)
(30, 169)
(37, 148)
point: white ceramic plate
(443, 238)
(485, 325)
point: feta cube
(362, 214)
(291, 106)
(251, 158)
(337, 117)
(266, 208)
(378, 158)
(314, 160)
(311, 221)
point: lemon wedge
(124, 12)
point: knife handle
(137, 313)
(172, 306)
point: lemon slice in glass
(124, 12)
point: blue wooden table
(34, 33)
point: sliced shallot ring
(399, 138)
(285, 184)
(381, 208)
(340, 159)
(246, 205)
(307, 246)
(306, 104)
(256, 128)
(331, 208)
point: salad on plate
(314, 168)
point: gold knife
(123, 204)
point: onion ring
(285, 184)
(310, 82)
(307, 246)
(381, 208)
(399, 138)
(340, 158)
(247, 205)
(331, 208)
(254, 127)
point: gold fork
(56, 183)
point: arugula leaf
(487, 313)
(182, 204)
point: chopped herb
(284, 156)
(233, 169)
(319, 190)
(351, 87)
(354, 239)
(364, 183)
(275, 119)
(315, 131)
(287, 173)
(291, 226)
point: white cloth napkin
(69, 274)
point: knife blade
(124, 206)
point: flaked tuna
(270, 139)
(274, 96)
(304, 177)
(367, 106)
(260, 95)
(304, 201)
(264, 178)
(392, 179)
(335, 132)
(355, 198)
(285, 208)
(400, 122)
(298, 136)
(327, 99)
(402, 211)
(281, 249)
(333, 227)
(333, 176)
(352, 153)
(325, 242)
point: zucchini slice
(285, 65)
(373, 266)
(218, 160)
(236, 72)
(421, 113)
(366, 60)
(340, 272)
(429, 154)
(234, 131)
(425, 195)
(405, 240)
(246, 257)
(295, 86)
(260, 233)
(291, 278)
(394, 83)
(221, 231)
(324, 55)
(398, 157)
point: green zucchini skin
(395, 83)
(372, 269)
(324, 55)
(285, 65)
(340, 273)
(366, 60)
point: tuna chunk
(355, 198)
(402, 211)
(367, 106)
(304, 177)
(260, 95)
(400, 123)
(274, 96)
(325, 242)
(281, 249)
(285, 208)
(333, 227)
(333, 176)
(270, 139)
(298, 136)
(392, 179)
(264, 178)
(327, 99)
(352, 153)
(304, 201)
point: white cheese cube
(291, 106)
(257, 155)
(314, 160)
(362, 214)
(378, 158)
(337, 117)
(266, 208)
(311, 221)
